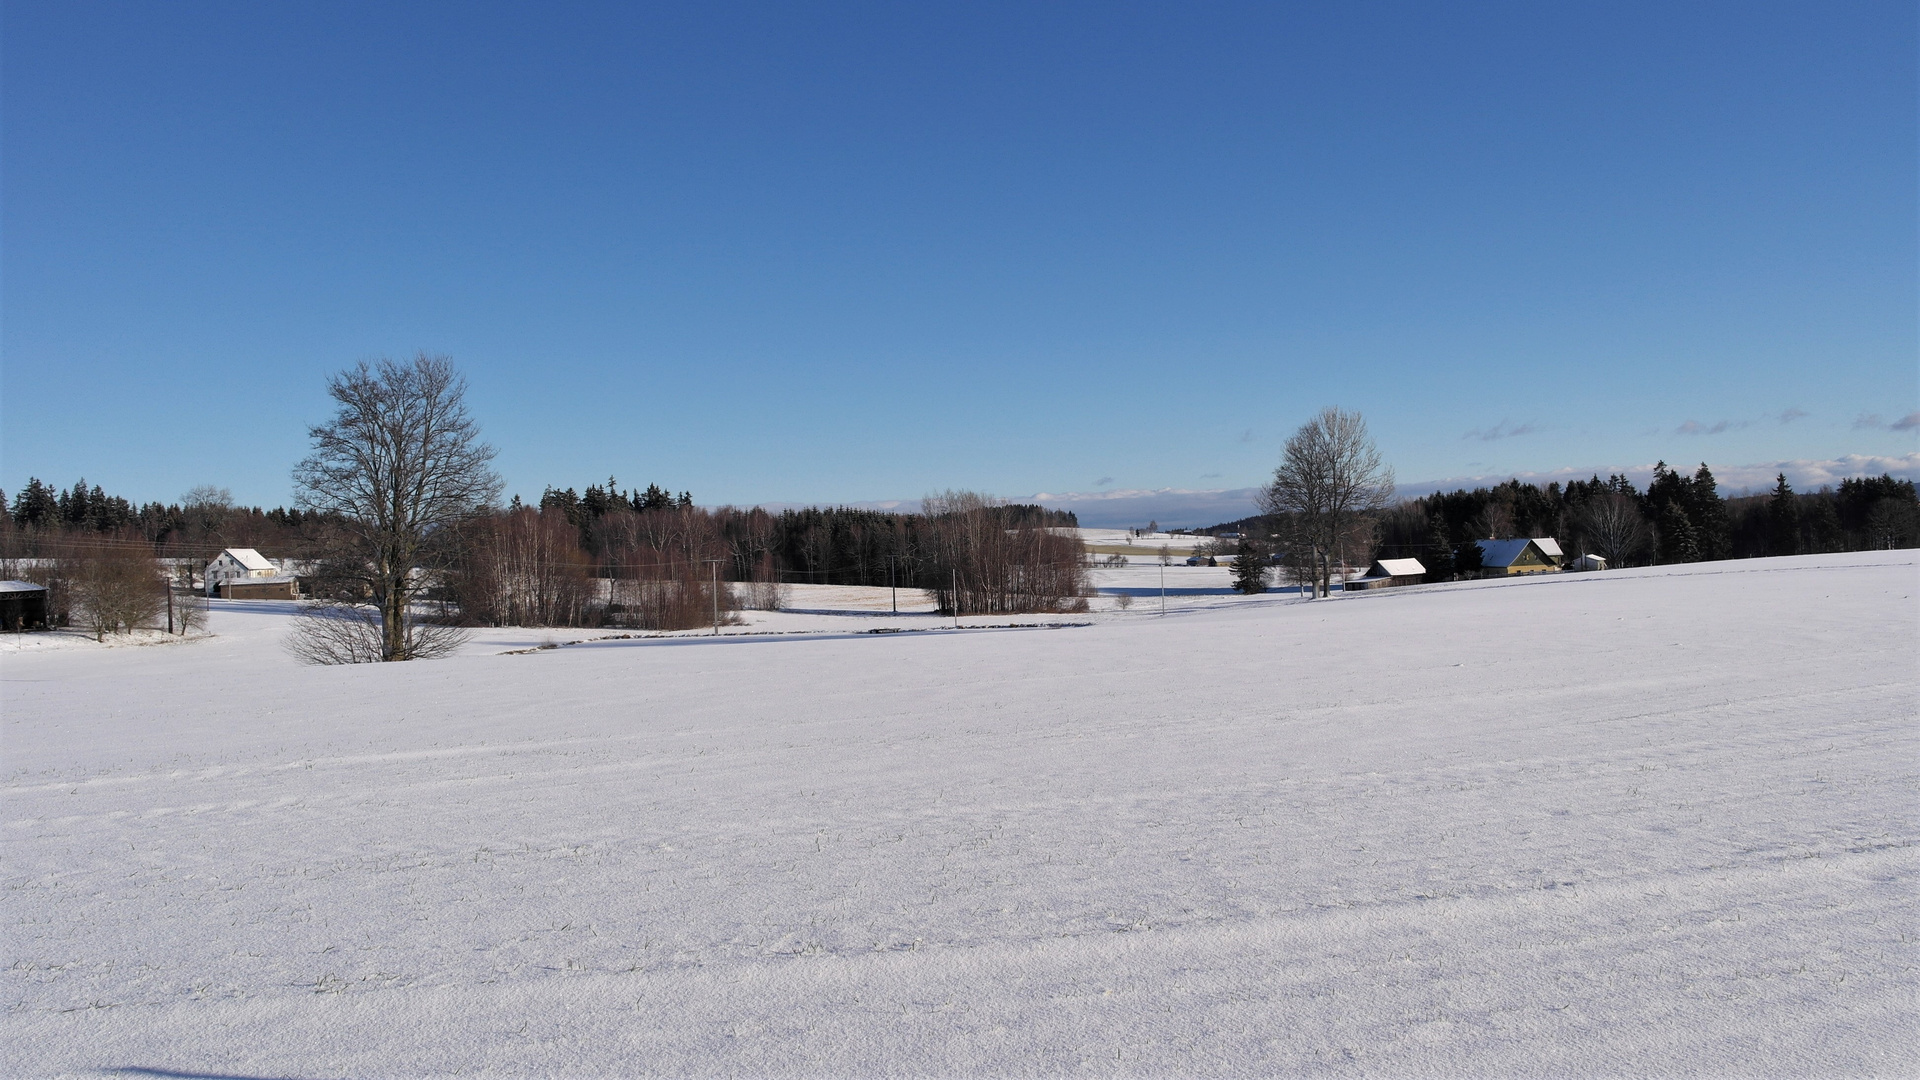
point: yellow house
(1519, 555)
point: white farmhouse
(235, 564)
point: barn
(23, 606)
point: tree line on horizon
(1677, 519)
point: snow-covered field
(1647, 822)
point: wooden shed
(1386, 573)
(23, 606)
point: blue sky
(796, 253)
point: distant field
(1639, 822)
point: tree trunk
(393, 618)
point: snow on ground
(1140, 547)
(1640, 822)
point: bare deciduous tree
(1329, 481)
(401, 464)
(525, 568)
(980, 566)
(1614, 526)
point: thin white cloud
(1695, 427)
(1876, 422)
(1505, 429)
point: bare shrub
(1123, 601)
(189, 611)
(117, 586)
(764, 595)
(328, 632)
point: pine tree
(1783, 520)
(1249, 568)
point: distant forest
(614, 531)
(1678, 518)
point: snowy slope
(1631, 823)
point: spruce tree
(1678, 541)
(1249, 568)
(37, 506)
(1439, 555)
(1467, 558)
(1713, 532)
(1783, 520)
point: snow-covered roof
(249, 558)
(277, 579)
(1401, 567)
(21, 586)
(1504, 552)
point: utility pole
(714, 565)
(1163, 588)
(956, 599)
